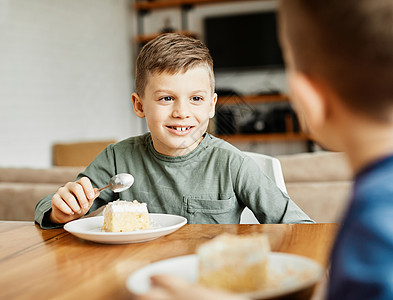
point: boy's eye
(166, 98)
(196, 98)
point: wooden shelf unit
(252, 99)
(145, 5)
(260, 137)
(264, 137)
(157, 4)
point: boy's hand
(73, 200)
(166, 287)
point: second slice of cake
(122, 216)
(234, 262)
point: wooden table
(47, 264)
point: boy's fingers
(74, 198)
(96, 193)
(87, 187)
(179, 288)
(59, 204)
(167, 282)
(154, 294)
(68, 198)
(79, 193)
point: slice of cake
(236, 263)
(121, 216)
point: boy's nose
(181, 109)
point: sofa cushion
(59, 175)
(78, 154)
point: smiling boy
(178, 167)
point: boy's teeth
(181, 128)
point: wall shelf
(144, 38)
(149, 5)
(144, 6)
(252, 99)
(290, 135)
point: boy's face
(177, 109)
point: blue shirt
(362, 258)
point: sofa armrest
(324, 202)
(18, 200)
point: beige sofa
(318, 182)
(22, 188)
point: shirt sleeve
(42, 211)
(269, 204)
(99, 172)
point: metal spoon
(120, 182)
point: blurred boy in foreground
(340, 69)
(339, 56)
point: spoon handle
(104, 187)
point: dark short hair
(348, 43)
(171, 53)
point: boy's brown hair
(171, 53)
(348, 43)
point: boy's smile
(177, 108)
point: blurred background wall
(65, 75)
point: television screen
(245, 41)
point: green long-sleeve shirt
(211, 184)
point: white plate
(90, 229)
(287, 273)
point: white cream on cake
(122, 216)
(236, 263)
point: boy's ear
(310, 99)
(138, 105)
(212, 110)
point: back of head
(348, 44)
(171, 53)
